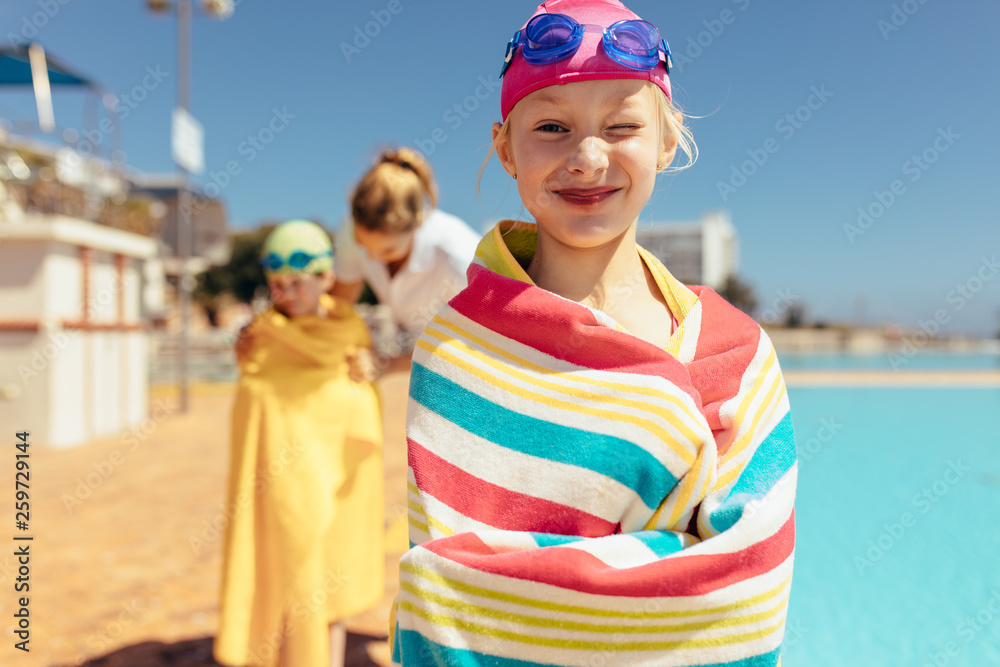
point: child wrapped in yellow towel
(304, 546)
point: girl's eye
(551, 127)
(625, 127)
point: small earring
(515, 175)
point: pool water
(898, 528)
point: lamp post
(183, 122)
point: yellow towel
(304, 543)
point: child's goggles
(298, 260)
(552, 37)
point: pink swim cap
(588, 63)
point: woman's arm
(363, 368)
(349, 292)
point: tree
(241, 276)
(739, 294)
(796, 316)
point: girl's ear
(669, 148)
(326, 280)
(504, 153)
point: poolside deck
(902, 378)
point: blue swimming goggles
(298, 260)
(552, 37)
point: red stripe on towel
(497, 506)
(508, 307)
(721, 361)
(579, 571)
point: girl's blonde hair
(669, 120)
(395, 194)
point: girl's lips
(586, 197)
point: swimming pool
(898, 524)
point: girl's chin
(586, 234)
(291, 311)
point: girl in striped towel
(601, 459)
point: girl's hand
(244, 343)
(362, 366)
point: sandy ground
(116, 579)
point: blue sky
(838, 97)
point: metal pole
(184, 222)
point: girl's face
(586, 156)
(384, 247)
(298, 294)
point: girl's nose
(589, 157)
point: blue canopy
(15, 69)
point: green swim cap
(297, 246)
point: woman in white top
(413, 256)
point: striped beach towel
(580, 497)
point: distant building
(210, 225)
(701, 253)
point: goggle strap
(274, 261)
(509, 56)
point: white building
(73, 348)
(73, 353)
(700, 253)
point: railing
(56, 180)
(211, 357)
